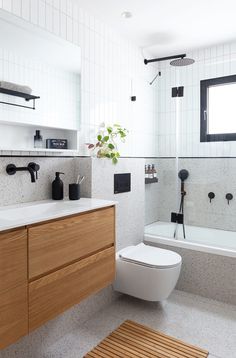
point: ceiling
(168, 27)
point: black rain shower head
(177, 60)
(185, 61)
(183, 174)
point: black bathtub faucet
(32, 168)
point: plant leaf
(106, 138)
(111, 146)
(114, 160)
(99, 137)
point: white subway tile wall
(181, 116)
(59, 92)
(109, 64)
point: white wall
(109, 64)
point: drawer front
(56, 292)
(56, 244)
(13, 286)
(14, 315)
(13, 259)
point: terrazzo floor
(194, 319)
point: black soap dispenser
(57, 187)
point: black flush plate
(122, 183)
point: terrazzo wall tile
(83, 167)
(18, 188)
(130, 205)
(205, 274)
(152, 195)
(161, 198)
(205, 175)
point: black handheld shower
(183, 175)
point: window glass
(222, 109)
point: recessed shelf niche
(18, 137)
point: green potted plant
(106, 144)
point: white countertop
(13, 216)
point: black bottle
(57, 187)
(38, 140)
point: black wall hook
(211, 196)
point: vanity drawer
(58, 243)
(56, 292)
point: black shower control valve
(211, 196)
(177, 218)
(229, 197)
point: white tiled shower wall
(111, 65)
(182, 115)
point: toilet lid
(151, 256)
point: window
(218, 109)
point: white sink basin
(30, 213)
(36, 210)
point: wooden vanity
(48, 267)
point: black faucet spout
(32, 168)
(31, 171)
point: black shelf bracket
(26, 96)
(151, 180)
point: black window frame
(204, 85)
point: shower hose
(181, 211)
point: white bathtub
(213, 241)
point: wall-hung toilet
(147, 272)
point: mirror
(51, 67)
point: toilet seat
(150, 256)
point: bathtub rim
(188, 245)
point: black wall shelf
(26, 96)
(151, 180)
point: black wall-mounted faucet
(211, 195)
(229, 197)
(32, 168)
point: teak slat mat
(133, 340)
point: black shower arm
(165, 58)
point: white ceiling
(169, 26)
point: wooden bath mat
(133, 340)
